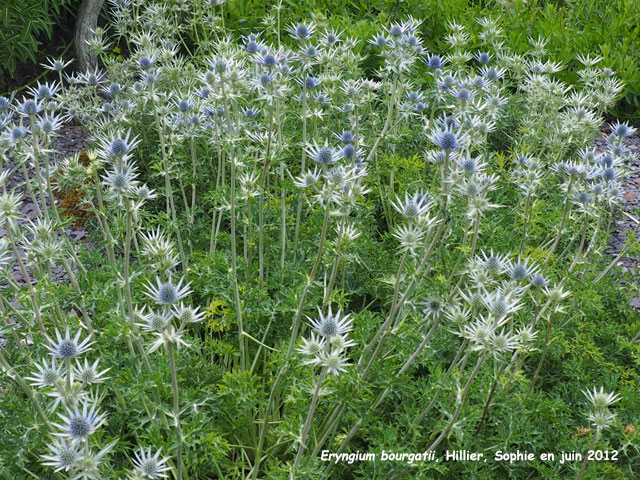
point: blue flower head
(17, 133)
(29, 107)
(311, 83)
(412, 40)
(184, 105)
(268, 60)
(609, 174)
(323, 154)
(265, 79)
(114, 88)
(446, 83)
(379, 41)
(395, 30)
(302, 31)
(434, 61)
(621, 129)
(446, 138)
(348, 151)
(252, 45)
(5, 104)
(606, 160)
(250, 112)
(44, 92)
(346, 137)
(322, 99)
(145, 63)
(311, 51)
(463, 94)
(483, 57)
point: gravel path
(623, 224)
(72, 140)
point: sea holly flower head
(334, 362)
(150, 465)
(412, 207)
(167, 293)
(601, 399)
(331, 325)
(67, 347)
(63, 455)
(621, 129)
(447, 137)
(47, 374)
(602, 419)
(312, 348)
(89, 373)
(187, 314)
(323, 154)
(78, 423)
(302, 31)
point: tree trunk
(86, 21)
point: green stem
(307, 423)
(526, 223)
(292, 342)
(176, 407)
(461, 403)
(565, 216)
(542, 357)
(594, 439)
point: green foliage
(25, 27)
(600, 27)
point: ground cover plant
(292, 258)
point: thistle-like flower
(302, 31)
(447, 137)
(117, 146)
(67, 347)
(187, 314)
(56, 65)
(9, 208)
(520, 271)
(502, 342)
(47, 374)
(323, 154)
(63, 455)
(89, 374)
(410, 237)
(494, 264)
(433, 307)
(312, 348)
(167, 293)
(601, 399)
(602, 419)
(78, 424)
(621, 129)
(307, 179)
(151, 466)
(168, 335)
(121, 180)
(413, 207)
(334, 362)
(556, 294)
(331, 325)
(154, 321)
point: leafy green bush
(25, 27)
